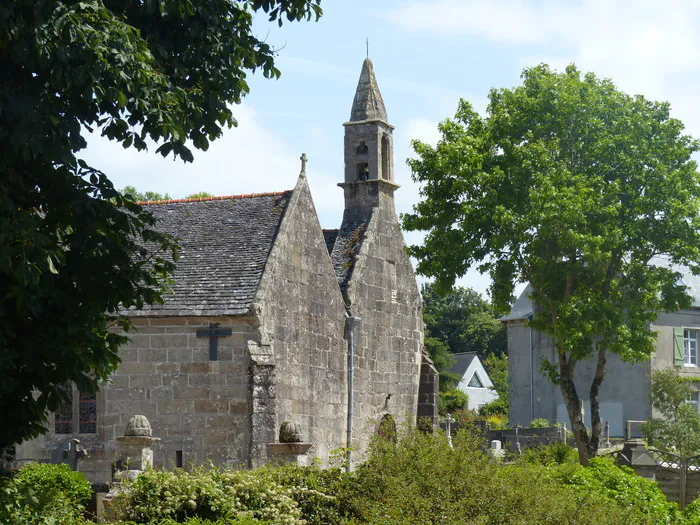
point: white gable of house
(478, 396)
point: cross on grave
(213, 332)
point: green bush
(422, 480)
(43, 493)
(634, 494)
(539, 422)
(498, 407)
(691, 513)
(452, 400)
(555, 454)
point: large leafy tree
(71, 247)
(462, 320)
(679, 429)
(579, 189)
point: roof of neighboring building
(368, 103)
(522, 308)
(344, 254)
(462, 363)
(224, 246)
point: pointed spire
(368, 103)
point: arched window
(362, 148)
(387, 428)
(385, 158)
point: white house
(474, 380)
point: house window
(77, 414)
(475, 382)
(690, 347)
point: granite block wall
(383, 292)
(302, 319)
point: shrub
(44, 493)
(691, 513)
(498, 407)
(539, 422)
(634, 494)
(558, 453)
(422, 480)
(452, 400)
(497, 421)
(215, 494)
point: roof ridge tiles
(221, 198)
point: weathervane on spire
(367, 44)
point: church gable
(302, 319)
(224, 246)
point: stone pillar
(428, 391)
(263, 402)
(290, 449)
(134, 455)
(635, 454)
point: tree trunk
(596, 423)
(587, 444)
(573, 406)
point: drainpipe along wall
(351, 324)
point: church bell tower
(369, 149)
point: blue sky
(426, 54)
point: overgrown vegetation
(420, 480)
(42, 494)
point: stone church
(271, 319)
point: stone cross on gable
(213, 333)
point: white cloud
(239, 162)
(642, 45)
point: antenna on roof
(367, 44)
(303, 165)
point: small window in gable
(475, 382)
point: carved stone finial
(138, 426)
(303, 165)
(290, 432)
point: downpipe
(351, 323)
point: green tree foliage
(453, 400)
(577, 188)
(678, 430)
(138, 196)
(461, 319)
(200, 195)
(71, 253)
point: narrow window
(385, 158)
(87, 411)
(178, 459)
(690, 347)
(63, 418)
(387, 428)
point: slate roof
(462, 362)
(330, 236)
(344, 254)
(225, 243)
